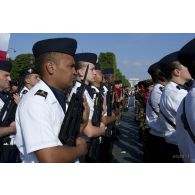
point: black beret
(61, 45)
(97, 66)
(153, 68)
(27, 71)
(86, 57)
(116, 82)
(6, 66)
(186, 54)
(168, 59)
(108, 71)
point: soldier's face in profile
(109, 78)
(33, 79)
(184, 73)
(91, 73)
(65, 72)
(4, 79)
(98, 76)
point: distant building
(133, 81)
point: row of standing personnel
(170, 108)
(44, 107)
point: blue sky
(134, 52)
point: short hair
(158, 75)
(80, 65)
(168, 68)
(43, 58)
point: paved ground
(128, 148)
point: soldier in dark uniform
(92, 131)
(111, 111)
(29, 78)
(8, 150)
(100, 112)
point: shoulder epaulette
(25, 91)
(94, 91)
(41, 93)
(181, 87)
(161, 88)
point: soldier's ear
(176, 72)
(27, 80)
(50, 67)
(80, 72)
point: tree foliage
(108, 60)
(21, 61)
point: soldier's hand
(82, 146)
(104, 107)
(103, 127)
(16, 98)
(85, 114)
(116, 112)
(13, 127)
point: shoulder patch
(178, 87)
(41, 93)
(94, 91)
(161, 88)
(25, 91)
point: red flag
(4, 42)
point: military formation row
(65, 110)
(165, 109)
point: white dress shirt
(38, 122)
(152, 110)
(184, 141)
(169, 103)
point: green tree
(118, 75)
(107, 60)
(21, 61)
(127, 83)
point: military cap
(61, 45)
(27, 71)
(6, 66)
(97, 66)
(86, 57)
(168, 59)
(153, 68)
(186, 54)
(116, 82)
(108, 71)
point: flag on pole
(4, 42)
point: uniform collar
(95, 88)
(178, 86)
(87, 88)
(90, 91)
(60, 96)
(25, 88)
(3, 96)
(193, 83)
